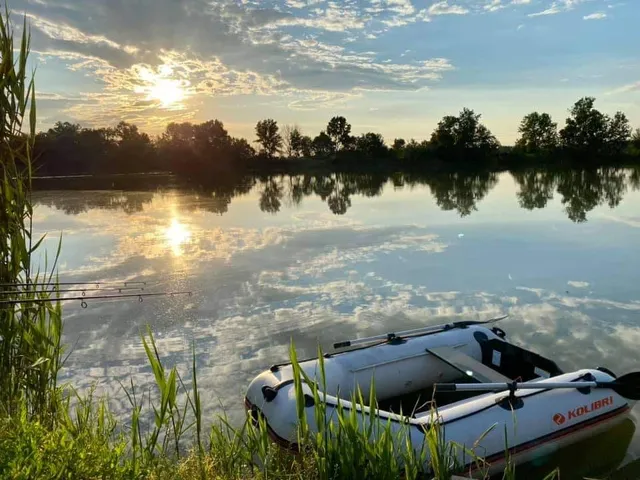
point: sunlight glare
(162, 85)
(177, 235)
(167, 91)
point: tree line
(460, 141)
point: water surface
(322, 259)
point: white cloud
(625, 88)
(595, 16)
(578, 284)
(443, 8)
(552, 10)
(494, 6)
(335, 18)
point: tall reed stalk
(30, 333)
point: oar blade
(627, 386)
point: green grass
(49, 430)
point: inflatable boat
(465, 372)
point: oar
(433, 328)
(627, 386)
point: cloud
(443, 8)
(552, 10)
(631, 87)
(557, 7)
(595, 16)
(295, 50)
(577, 284)
(494, 6)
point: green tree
(322, 145)
(131, 144)
(211, 138)
(241, 150)
(292, 138)
(618, 134)
(635, 138)
(268, 137)
(371, 145)
(635, 142)
(537, 133)
(306, 146)
(398, 144)
(178, 134)
(398, 147)
(463, 134)
(588, 130)
(339, 131)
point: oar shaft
(488, 387)
(360, 341)
(415, 331)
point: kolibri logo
(560, 419)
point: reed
(30, 333)
(52, 431)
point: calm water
(324, 259)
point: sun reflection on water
(177, 235)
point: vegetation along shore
(460, 142)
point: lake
(322, 259)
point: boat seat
(469, 367)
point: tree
(134, 150)
(268, 137)
(322, 145)
(292, 139)
(211, 138)
(635, 142)
(306, 146)
(64, 128)
(241, 150)
(178, 134)
(339, 131)
(398, 144)
(371, 145)
(414, 151)
(635, 138)
(462, 135)
(588, 130)
(287, 149)
(537, 133)
(618, 134)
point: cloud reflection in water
(387, 264)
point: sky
(389, 66)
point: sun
(162, 84)
(168, 91)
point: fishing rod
(83, 300)
(71, 290)
(97, 284)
